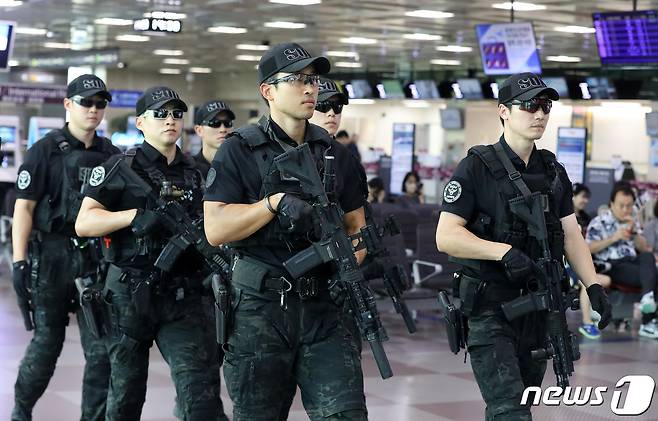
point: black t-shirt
(116, 193)
(473, 190)
(235, 165)
(201, 164)
(41, 172)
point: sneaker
(649, 330)
(647, 303)
(590, 331)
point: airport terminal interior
(421, 79)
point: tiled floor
(430, 383)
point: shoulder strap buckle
(515, 175)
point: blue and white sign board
(402, 156)
(124, 99)
(508, 48)
(571, 151)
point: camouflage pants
(500, 357)
(176, 324)
(53, 296)
(216, 355)
(271, 351)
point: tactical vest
(56, 212)
(500, 225)
(257, 140)
(123, 246)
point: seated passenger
(376, 191)
(616, 238)
(580, 199)
(412, 190)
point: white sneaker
(649, 330)
(647, 303)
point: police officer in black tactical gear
(477, 226)
(149, 298)
(213, 122)
(286, 332)
(48, 196)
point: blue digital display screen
(626, 38)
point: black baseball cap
(209, 110)
(86, 86)
(328, 89)
(157, 97)
(524, 86)
(289, 57)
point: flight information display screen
(627, 38)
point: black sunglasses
(215, 124)
(163, 113)
(533, 105)
(325, 106)
(88, 102)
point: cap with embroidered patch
(289, 57)
(524, 86)
(329, 88)
(157, 97)
(206, 112)
(87, 86)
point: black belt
(305, 287)
(495, 293)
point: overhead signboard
(508, 48)
(627, 38)
(124, 99)
(75, 59)
(31, 94)
(158, 25)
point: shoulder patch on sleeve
(97, 176)
(24, 179)
(452, 192)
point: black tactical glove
(600, 303)
(20, 277)
(294, 214)
(145, 222)
(518, 266)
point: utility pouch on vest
(455, 323)
(529, 303)
(249, 273)
(91, 304)
(470, 290)
(141, 296)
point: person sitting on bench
(581, 195)
(615, 237)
